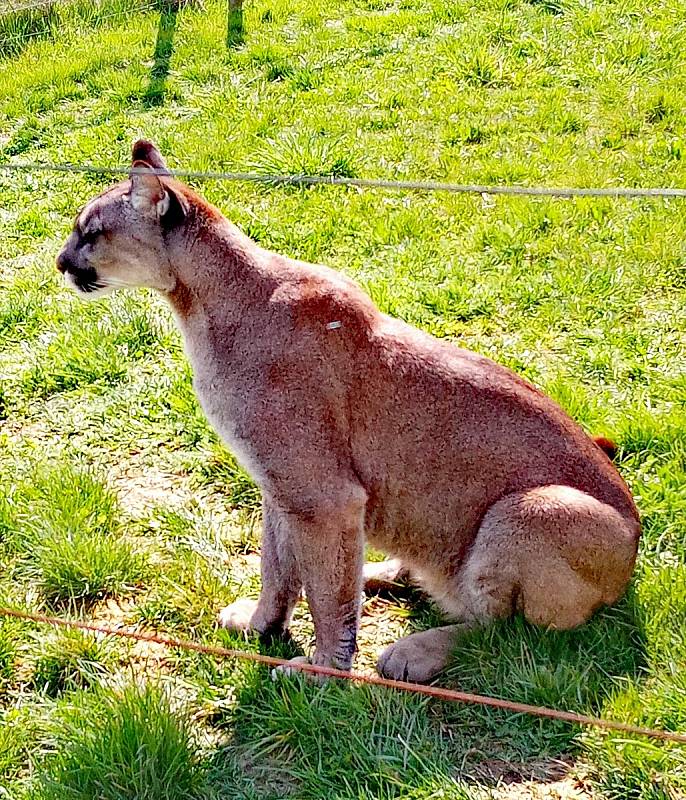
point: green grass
(69, 539)
(19, 732)
(119, 746)
(10, 635)
(47, 20)
(70, 660)
(117, 501)
(384, 742)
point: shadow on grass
(576, 670)
(290, 737)
(164, 48)
(235, 33)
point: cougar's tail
(607, 446)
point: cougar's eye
(89, 237)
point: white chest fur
(221, 406)
(222, 401)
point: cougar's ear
(177, 208)
(147, 192)
(145, 151)
(150, 195)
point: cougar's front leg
(328, 540)
(281, 583)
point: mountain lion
(360, 428)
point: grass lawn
(117, 502)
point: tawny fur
(358, 427)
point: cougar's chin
(90, 288)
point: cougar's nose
(63, 262)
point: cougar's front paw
(287, 670)
(239, 615)
(318, 660)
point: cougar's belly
(425, 536)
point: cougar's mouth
(86, 282)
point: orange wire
(438, 692)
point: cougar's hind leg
(385, 576)
(555, 553)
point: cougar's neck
(223, 283)
(220, 272)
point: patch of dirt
(149, 657)
(547, 779)
(23, 433)
(249, 562)
(111, 612)
(383, 621)
(146, 658)
(567, 789)
(140, 488)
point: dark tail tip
(607, 446)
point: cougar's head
(120, 238)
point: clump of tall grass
(73, 537)
(118, 746)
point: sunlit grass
(116, 498)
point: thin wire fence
(364, 183)
(7, 42)
(410, 185)
(8, 7)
